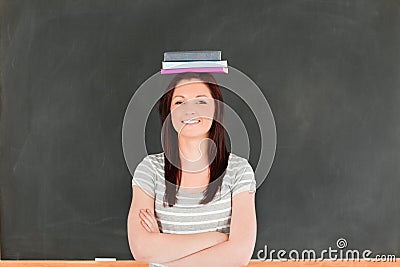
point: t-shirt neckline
(199, 193)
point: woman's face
(192, 108)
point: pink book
(214, 70)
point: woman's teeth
(191, 121)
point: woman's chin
(188, 133)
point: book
(192, 55)
(194, 64)
(213, 70)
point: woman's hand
(148, 221)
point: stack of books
(193, 61)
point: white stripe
(238, 161)
(153, 167)
(162, 193)
(145, 173)
(162, 183)
(153, 162)
(135, 181)
(159, 170)
(194, 213)
(198, 205)
(149, 168)
(179, 197)
(195, 231)
(236, 169)
(244, 182)
(249, 172)
(193, 223)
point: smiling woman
(195, 201)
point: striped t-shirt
(188, 216)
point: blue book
(192, 56)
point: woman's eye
(178, 102)
(202, 102)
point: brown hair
(218, 166)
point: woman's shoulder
(156, 160)
(241, 174)
(155, 156)
(237, 161)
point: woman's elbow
(135, 248)
(244, 261)
(138, 249)
(243, 254)
(135, 254)
(139, 257)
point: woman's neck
(193, 153)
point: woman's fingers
(145, 226)
(153, 219)
(149, 219)
(145, 219)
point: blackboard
(329, 70)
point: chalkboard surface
(329, 70)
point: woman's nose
(189, 112)
(189, 108)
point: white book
(193, 64)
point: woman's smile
(191, 122)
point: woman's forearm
(225, 254)
(160, 247)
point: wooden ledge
(253, 263)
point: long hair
(216, 133)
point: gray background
(329, 69)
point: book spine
(212, 70)
(193, 64)
(192, 55)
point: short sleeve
(244, 179)
(144, 176)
